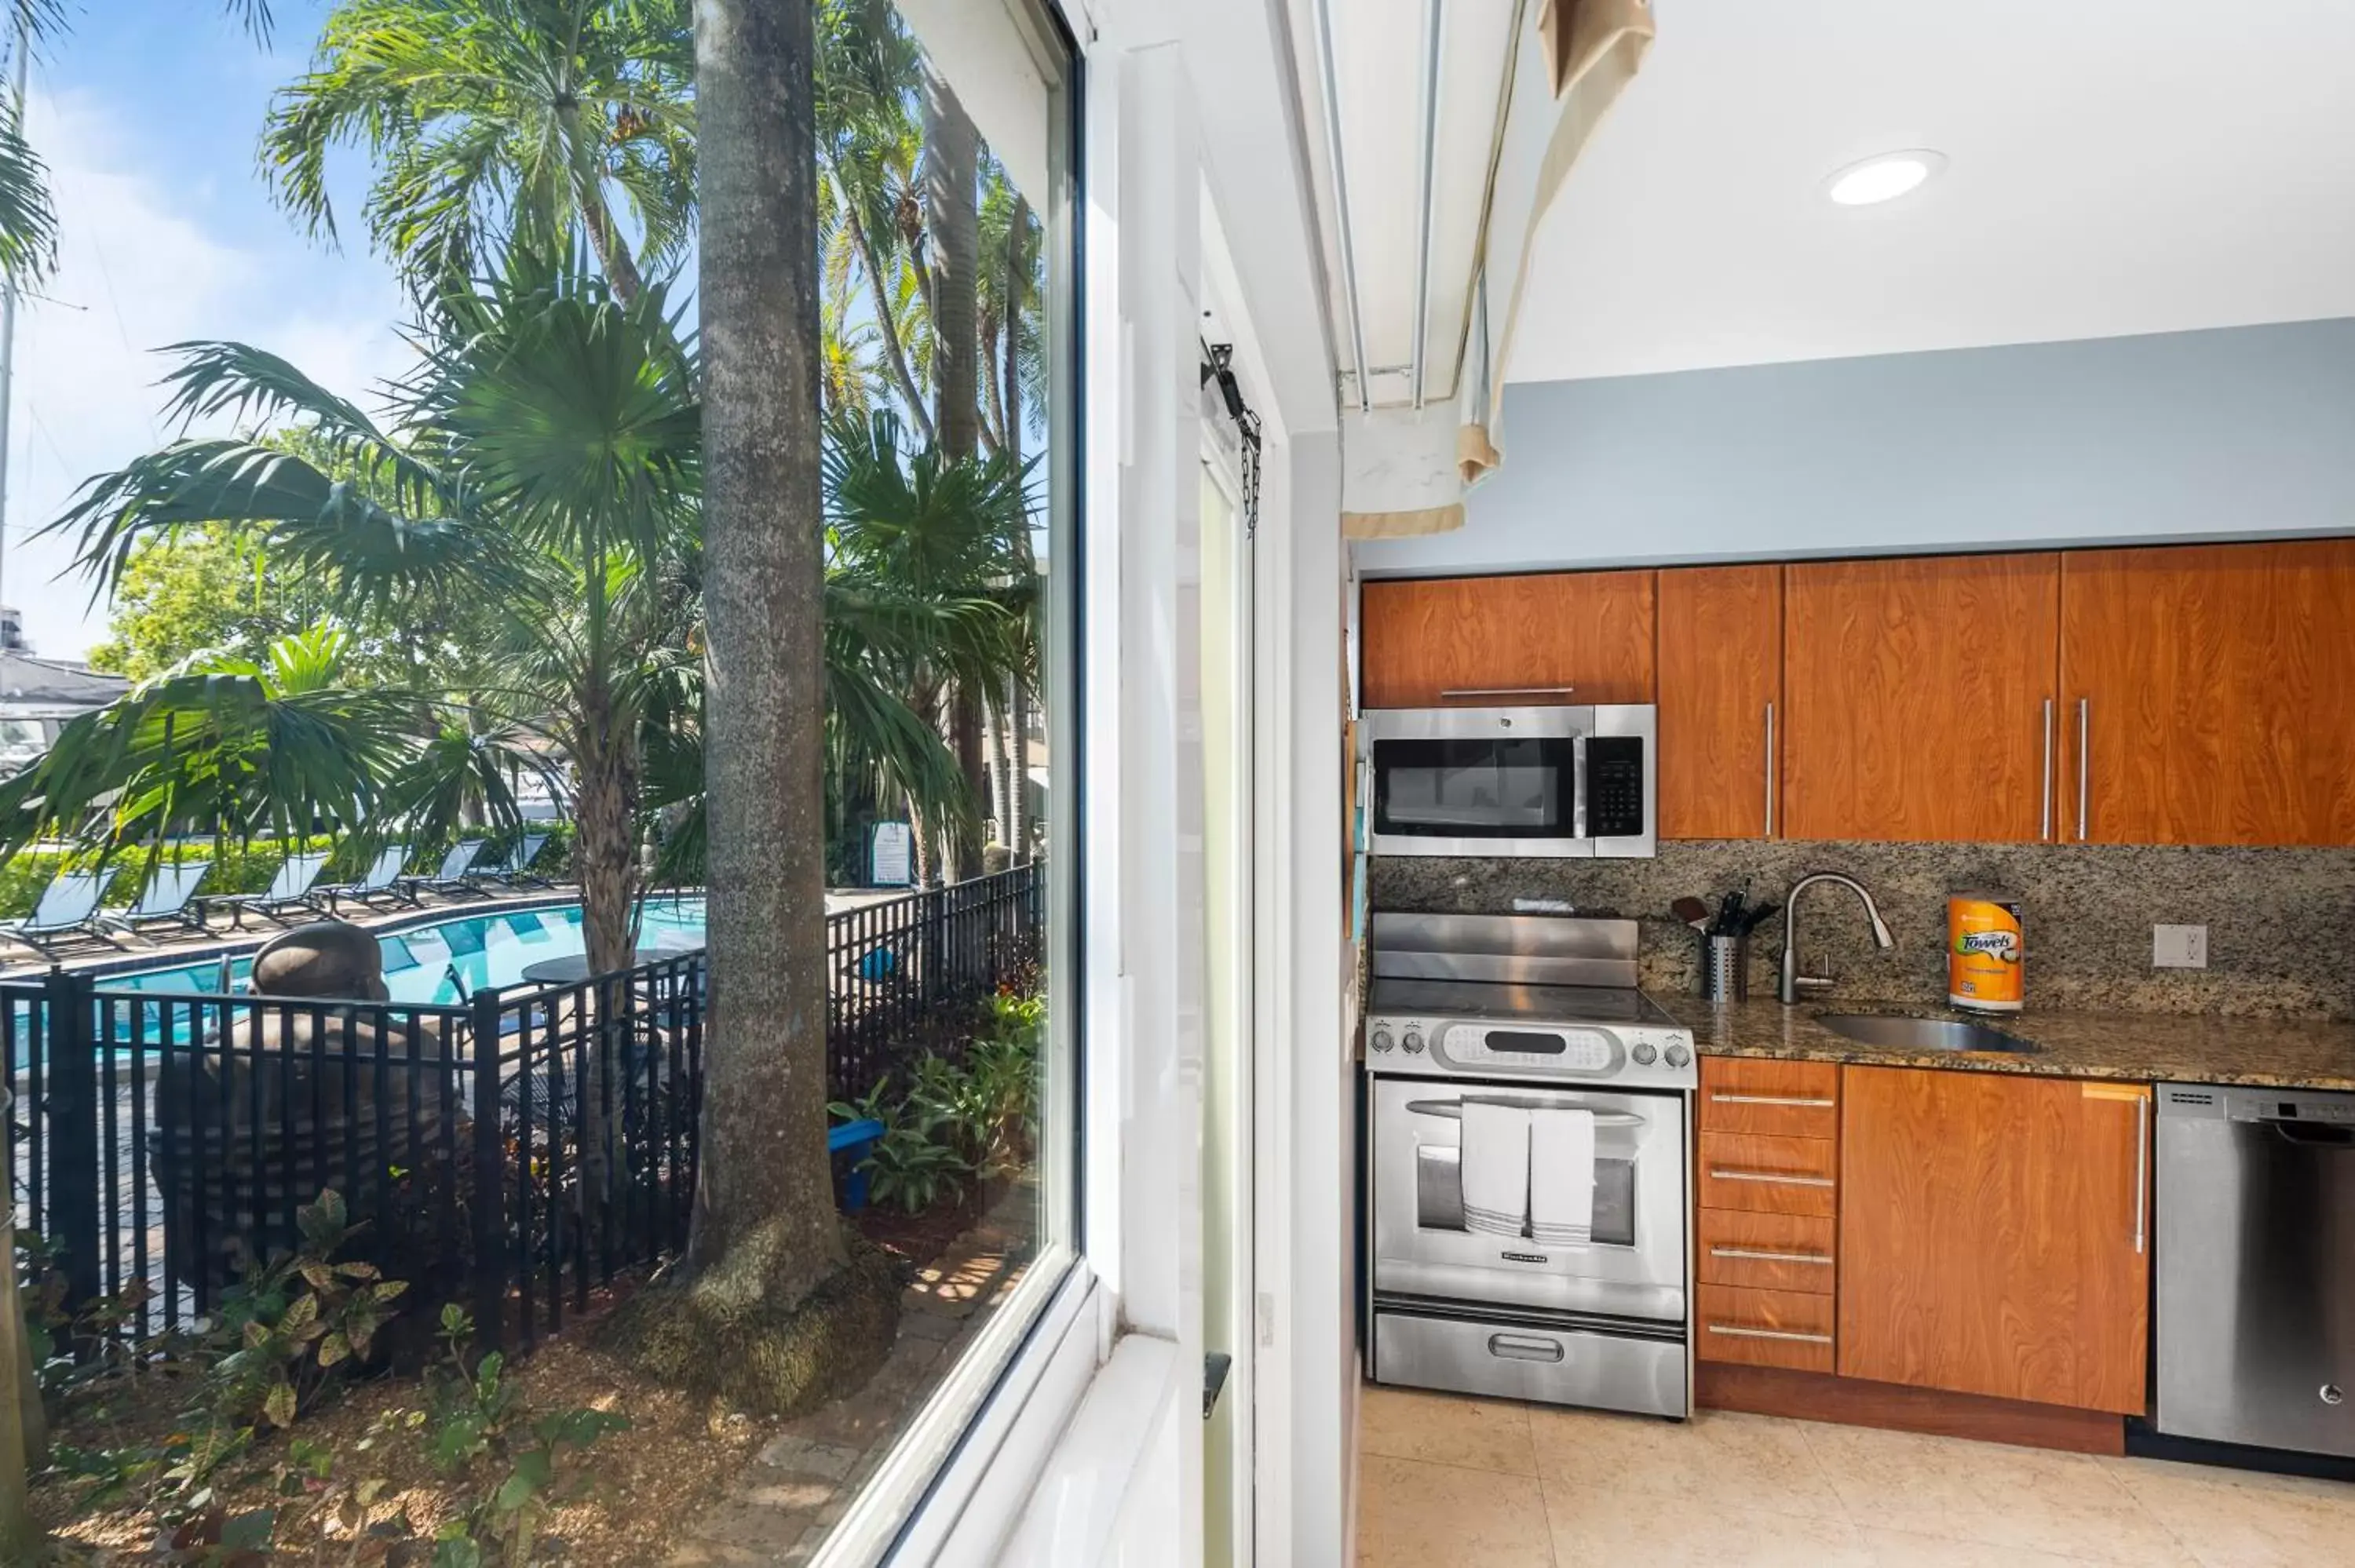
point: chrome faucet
(1794, 982)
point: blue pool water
(429, 963)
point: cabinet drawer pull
(1769, 1176)
(1756, 1255)
(1725, 1099)
(1732, 1332)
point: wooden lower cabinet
(1995, 1235)
(1789, 1329)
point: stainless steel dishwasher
(2256, 1267)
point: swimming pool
(443, 962)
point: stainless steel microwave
(1561, 781)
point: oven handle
(1453, 1110)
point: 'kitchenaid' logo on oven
(1522, 1256)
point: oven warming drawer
(1511, 1360)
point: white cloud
(138, 268)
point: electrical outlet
(2178, 947)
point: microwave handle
(1577, 786)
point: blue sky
(148, 113)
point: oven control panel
(1438, 1046)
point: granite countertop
(2278, 1052)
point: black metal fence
(514, 1151)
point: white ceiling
(2116, 167)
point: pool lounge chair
(294, 888)
(382, 885)
(169, 898)
(514, 869)
(454, 880)
(67, 906)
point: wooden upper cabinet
(2216, 685)
(1914, 693)
(1720, 679)
(1995, 1234)
(1508, 642)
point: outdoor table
(574, 969)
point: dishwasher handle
(2312, 1134)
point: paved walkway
(802, 1482)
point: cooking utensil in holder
(1725, 969)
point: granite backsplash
(2281, 922)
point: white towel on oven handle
(1561, 1176)
(1495, 1166)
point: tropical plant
(279, 1341)
(500, 121)
(240, 749)
(473, 1416)
(544, 455)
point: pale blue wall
(2234, 432)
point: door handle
(1772, 1179)
(2138, 1097)
(1451, 692)
(1524, 1347)
(1813, 1104)
(1731, 1332)
(1754, 1255)
(2142, 1171)
(2084, 764)
(1769, 770)
(2046, 831)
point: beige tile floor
(1446, 1480)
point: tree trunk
(613, 258)
(1001, 775)
(951, 151)
(895, 352)
(764, 1215)
(604, 850)
(965, 733)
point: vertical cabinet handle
(1769, 770)
(2046, 831)
(2084, 763)
(2142, 1171)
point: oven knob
(1413, 1040)
(1678, 1056)
(1381, 1039)
(1643, 1054)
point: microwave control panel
(1615, 786)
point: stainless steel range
(1531, 1114)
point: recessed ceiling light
(1884, 177)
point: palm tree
(868, 149)
(240, 749)
(546, 453)
(491, 121)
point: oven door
(1634, 1266)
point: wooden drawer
(1775, 1175)
(1764, 1328)
(1777, 1252)
(1792, 1099)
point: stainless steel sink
(1894, 1032)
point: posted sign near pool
(891, 855)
